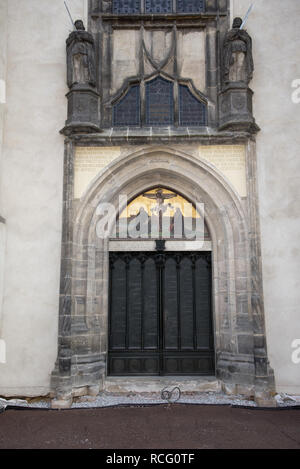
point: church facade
(149, 183)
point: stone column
(78, 367)
(61, 380)
(264, 375)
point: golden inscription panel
(229, 160)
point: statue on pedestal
(237, 71)
(237, 55)
(83, 97)
(81, 57)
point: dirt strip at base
(154, 427)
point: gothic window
(191, 111)
(159, 106)
(127, 111)
(158, 6)
(190, 6)
(131, 7)
(126, 7)
(159, 102)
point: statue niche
(237, 55)
(81, 57)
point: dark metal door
(160, 314)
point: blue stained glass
(190, 6)
(158, 6)
(126, 7)
(127, 111)
(159, 102)
(191, 110)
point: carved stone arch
(83, 331)
(222, 215)
(111, 176)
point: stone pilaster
(264, 375)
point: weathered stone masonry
(162, 156)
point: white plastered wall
(31, 162)
(3, 42)
(274, 27)
(31, 192)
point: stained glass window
(127, 111)
(191, 110)
(158, 6)
(190, 6)
(126, 7)
(159, 102)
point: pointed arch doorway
(160, 288)
(241, 362)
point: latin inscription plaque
(89, 161)
(231, 161)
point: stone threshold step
(143, 385)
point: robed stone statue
(237, 55)
(81, 57)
